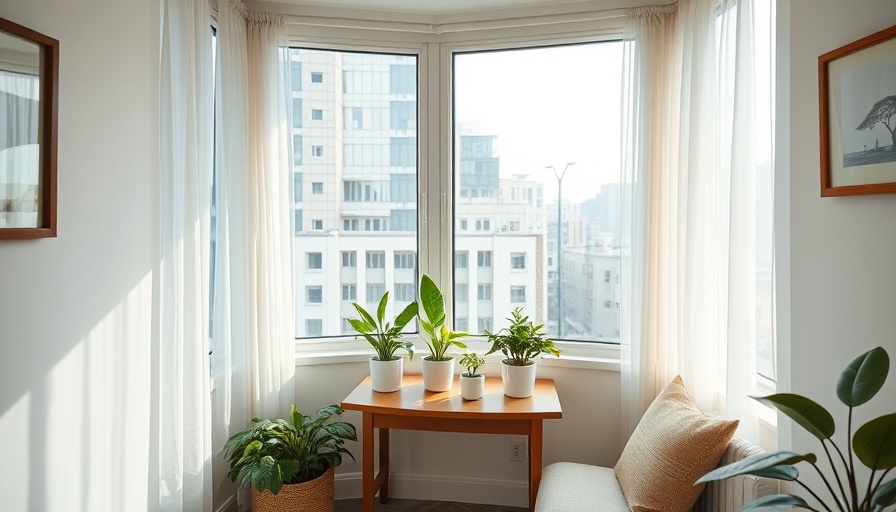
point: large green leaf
(788, 473)
(885, 495)
(776, 501)
(875, 443)
(368, 320)
(432, 301)
(381, 308)
(408, 313)
(805, 412)
(757, 463)
(863, 377)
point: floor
(422, 506)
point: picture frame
(857, 108)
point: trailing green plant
(273, 453)
(874, 444)
(435, 331)
(471, 361)
(521, 341)
(385, 338)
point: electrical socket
(518, 449)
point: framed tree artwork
(857, 104)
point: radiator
(733, 493)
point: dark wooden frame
(827, 188)
(49, 115)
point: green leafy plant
(272, 453)
(382, 336)
(874, 444)
(435, 331)
(522, 341)
(471, 361)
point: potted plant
(438, 367)
(472, 384)
(386, 368)
(520, 343)
(289, 463)
(874, 444)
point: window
(405, 292)
(314, 260)
(314, 327)
(297, 187)
(347, 327)
(461, 292)
(517, 294)
(461, 259)
(376, 259)
(514, 225)
(405, 260)
(484, 292)
(349, 173)
(606, 276)
(314, 294)
(483, 225)
(484, 324)
(463, 224)
(517, 260)
(461, 324)
(484, 259)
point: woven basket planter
(314, 496)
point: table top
(413, 400)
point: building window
(461, 292)
(483, 225)
(375, 293)
(484, 259)
(461, 259)
(314, 294)
(350, 225)
(376, 259)
(517, 294)
(317, 187)
(317, 151)
(314, 260)
(314, 327)
(347, 327)
(517, 260)
(349, 292)
(405, 260)
(606, 276)
(484, 324)
(484, 292)
(461, 324)
(514, 225)
(317, 114)
(405, 292)
(349, 259)
(463, 224)
(608, 304)
(317, 225)
(317, 78)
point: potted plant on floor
(874, 444)
(472, 384)
(386, 368)
(438, 367)
(520, 343)
(289, 463)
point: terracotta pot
(472, 388)
(438, 375)
(385, 376)
(317, 495)
(519, 381)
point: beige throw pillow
(673, 445)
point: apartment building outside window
(517, 260)
(314, 260)
(484, 259)
(376, 259)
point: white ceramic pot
(385, 376)
(438, 375)
(519, 381)
(472, 388)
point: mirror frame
(47, 131)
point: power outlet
(518, 449)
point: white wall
(76, 310)
(843, 250)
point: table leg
(384, 465)
(367, 474)
(535, 460)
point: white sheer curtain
(184, 429)
(692, 168)
(253, 300)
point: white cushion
(571, 487)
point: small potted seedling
(472, 384)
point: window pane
(360, 204)
(516, 113)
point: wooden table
(414, 408)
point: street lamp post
(559, 177)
